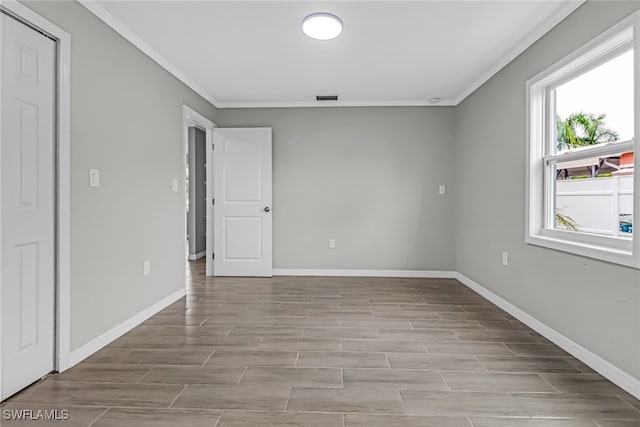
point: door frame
(191, 118)
(62, 246)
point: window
(580, 167)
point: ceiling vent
(326, 97)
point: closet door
(27, 205)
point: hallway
(330, 352)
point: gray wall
(126, 121)
(197, 220)
(595, 304)
(367, 177)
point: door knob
(266, 209)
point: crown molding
(322, 104)
(135, 40)
(563, 11)
(558, 16)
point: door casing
(191, 118)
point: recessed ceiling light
(322, 26)
(434, 100)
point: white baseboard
(597, 363)
(364, 273)
(78, 355)
(197, 256)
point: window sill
(622, 254)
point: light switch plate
(505, 258)
(94, 178)
(146, 268)
(175, 185)
(441, 190)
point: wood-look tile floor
(327, 352)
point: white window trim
(539, 132)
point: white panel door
(242, 192)
(27, 180)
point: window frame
(541, 152)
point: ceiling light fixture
(322, 26)
(434, 100)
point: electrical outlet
(146, 269)
(441, 189)
(332, 243)
(505, 258)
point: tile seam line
(99, 416)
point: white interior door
(242, 192)
(27, 180)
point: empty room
(326, 214)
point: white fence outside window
(598, 205)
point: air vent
(326, 97)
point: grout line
(208, 358)
(242, 375)
(480, 361)
(480, 324)
(117, 361)
(286, 405)
(386, 356)
(203, 322)
(179, 394)
(521, 405)
(146, 373)
(402, 401)
(509, 348)
(270, 411)
(230, 330)
(296, 362)
(424, 346)
(219, 418)
(84, 385)
(470, 422)
(444, 380)
(547, 381)
(626, 402)
(99, 416)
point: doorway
(34, 198)
(197, 154)
(237, 223)
(196, 189)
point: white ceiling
(253, 53)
